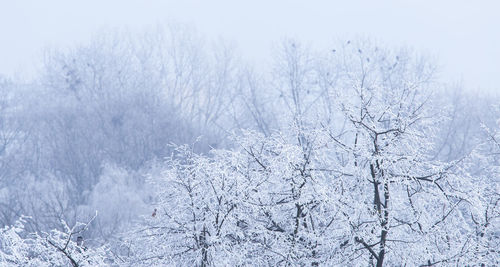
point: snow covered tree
(352, 182)
(195, 217)
(344, 157)
(400, 207)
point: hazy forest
(165, 148)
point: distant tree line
(190, 156)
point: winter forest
(165, 148)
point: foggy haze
(463, 35)
(264, 133)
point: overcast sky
(463, 35)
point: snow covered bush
(54, 248)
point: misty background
(462, 35)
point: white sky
(464, 35)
